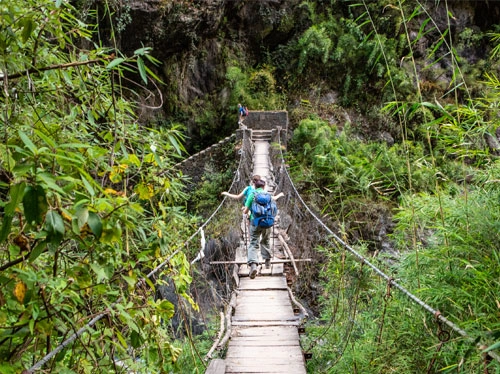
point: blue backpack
(264, 210)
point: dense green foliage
(440, 183)
(89, 201)
(89, 204)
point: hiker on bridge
(245, 193)
(259, 236)
(242, 113)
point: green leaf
(115, 62)
(54, 225)
(95, 224)
(82, 216)
(492, 347)
(166, 309)
(27, 142)
(35, 204)
(28, 26)
(49, 180)
(16, 194)
(37, 251)
(100, 272)
(135, 339)
(142, 69)
(88, 186)
(6, 225)
(142, 51)
(47, 140)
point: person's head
(255, 178)
(260, 183)
(239, 106)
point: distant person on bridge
(242, 113)
(256, 233)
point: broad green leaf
(54, 225)
(28, 26)
(142, 69)
(142, 51)
(47, 140)
(152, 74)
(174, 142)
(37, 251)
(87, 185)
(115, 62)
(16, 194)
(100, 272)
(166, 309)
(82, 216)
(6, 226)
(111, 234)
(35, 204)
(121, 339)
(50, 182)
(135, 339)
(27, 142)
(95, 224)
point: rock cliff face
(198, 39)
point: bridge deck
(264, 336)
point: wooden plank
(288, 352)
(261, 342)
(266, 318)
(267, 369)
(268, 306)
(244, 262)
(284, 332)
(216, 366)
(255, 312)
(266, 323)
(263, 283)
(278, 294)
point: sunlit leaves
(79, 170)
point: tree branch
(58, 66)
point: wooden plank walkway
(264, 329)
(264, 336)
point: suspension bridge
(260, 331)
(264, 323)
(264, 320)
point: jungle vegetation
(90, 204)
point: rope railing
(38, 365)
(436, 313)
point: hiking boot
(268, 263)
(253, 270)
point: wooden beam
(216, 366)
(261, 263)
